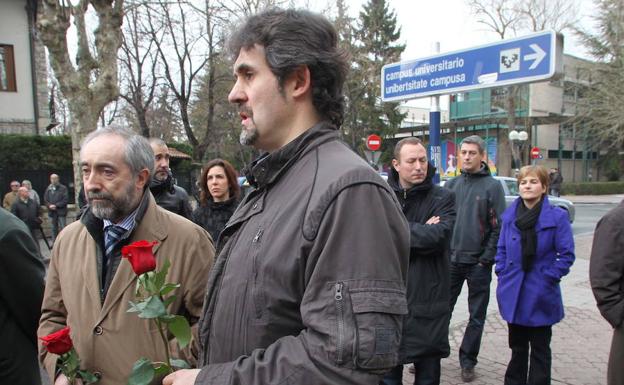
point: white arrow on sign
(537, 56)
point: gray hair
(474, 139)
(27, 183)
(138, 153)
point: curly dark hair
(292, 38)
(230, 174)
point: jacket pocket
(375, 315)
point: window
(7, 69)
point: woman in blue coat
(535, 249)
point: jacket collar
(483, 171)
(148, 226)
(267, 169)
(545, 220)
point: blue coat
(533, 298)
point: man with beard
(88, 286)
(430, 212)
(309, 285)
(167, 194)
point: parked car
(510, 186)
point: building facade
(542, 110)
(23, 71)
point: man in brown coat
(309, 285)
(606, 274)
(88, 288)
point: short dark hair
(411, 140)
(230, 174)
(474, 139)
(292, 38)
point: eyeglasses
(15, 185)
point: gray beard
(114, 209)
(248, 137)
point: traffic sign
(535, 153)
(373, 142)
(520, 60)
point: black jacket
(214, 215)
(21, 293)
(28, 212)
(59, 196)
(479, 201)
(425, 330)
(171, 197)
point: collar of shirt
(127, 223)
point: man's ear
(142, 179)
(395, 164)
(301, 80)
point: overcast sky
(450, 22)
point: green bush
(35, 152)
(592, 188)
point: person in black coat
(26, 209)
(21, 292)
(219, 197)
(430, 212)
(168, 195)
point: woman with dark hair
(535, 250)
(218, 198)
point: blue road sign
(520, 60)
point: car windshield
(512, 185)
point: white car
(510, 187)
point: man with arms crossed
(430, 212)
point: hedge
(592, 188)
(35, 152)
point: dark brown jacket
(309, 283)
(606, 266)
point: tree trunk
(82, 121)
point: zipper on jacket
(341, 326)
(257, 237)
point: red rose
(140, 256)
(58, 342)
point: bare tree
(91, 83)
(138, 61)
(181, 43)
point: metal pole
(435, 152)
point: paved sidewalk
(580, 343)
(589, 199)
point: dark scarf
(526, 219)
(157, 186)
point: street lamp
(518, 140)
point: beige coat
(107, 338)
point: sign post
(373, 143)
(535, 154)
(520, 60)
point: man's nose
(236, 95)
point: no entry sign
(373, 142)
